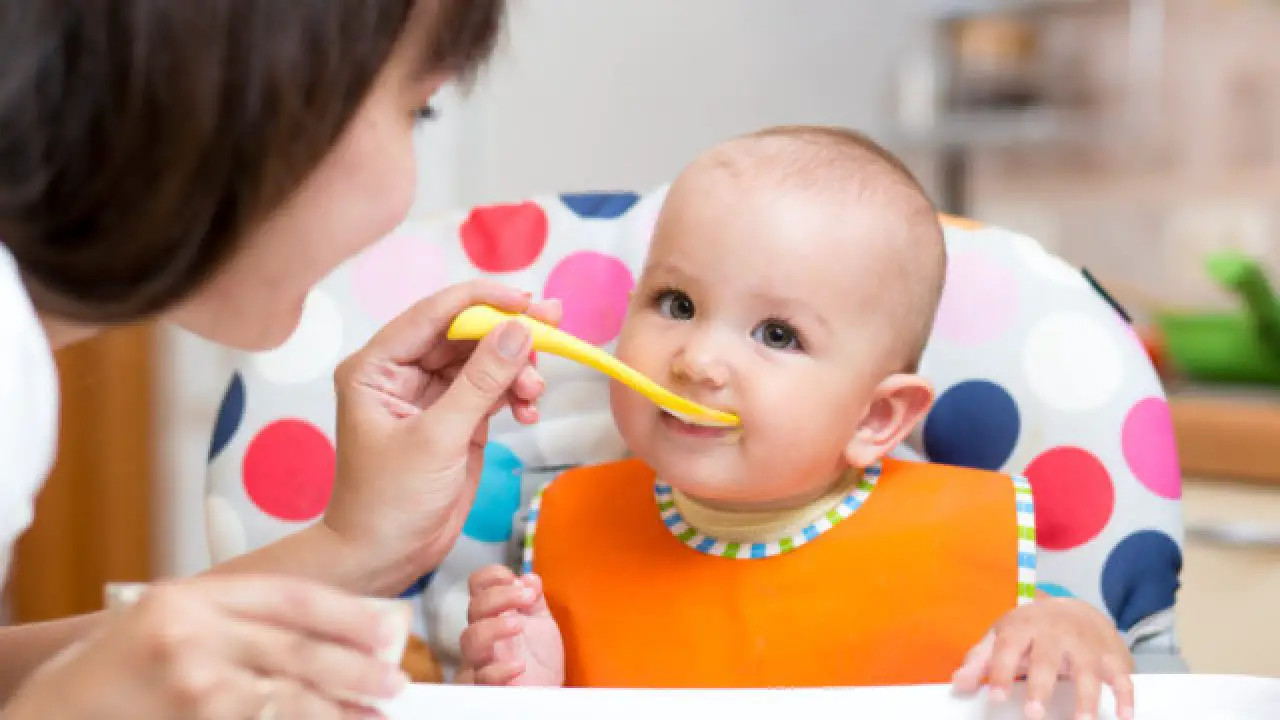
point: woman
(206, 163)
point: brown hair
(139, 139)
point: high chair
(1037, 372)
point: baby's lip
(696, 429)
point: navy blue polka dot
(974, 424)
(230, 413)
(600, 206)
(418, 587)
(1141, 577)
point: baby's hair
(843, 161)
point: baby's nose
(701, 365)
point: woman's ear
(897, 405)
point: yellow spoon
(479, 320)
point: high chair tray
(1159, 697)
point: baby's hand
(512, 638)
(1043, 641)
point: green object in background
(1235, 347)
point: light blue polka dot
(1054, 590)
(498, 497)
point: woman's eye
(426, 113)
(776, 336)
(675, 305)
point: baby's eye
(426, 113)
(675, 304)
(776, 335)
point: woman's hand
(225, 648)
(413, 418)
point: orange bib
(896, 593)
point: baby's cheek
(627, 407)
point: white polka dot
(567, 398)
(312, 350)
(576, 425)
(1072, 362)
(445, 608)
(588, 439)
(641, 220)
(1046, 265)
(224, 529)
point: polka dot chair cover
(1037, 372)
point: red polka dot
(1073, 497)
(504, 238)
(594, 290)
(288, 470)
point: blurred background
(1139, 138)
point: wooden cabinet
(1229, 605)
(93, 519)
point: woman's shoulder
(28, 402)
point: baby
(792, 280)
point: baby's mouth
(691, 428)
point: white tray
(1159, 697)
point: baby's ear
(897, 405)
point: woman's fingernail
(511, 339)
(1035, 711)
(998, 695)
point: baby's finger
(1042, 675)
(501, 673)
(969, 677)
(480, 640)
(1007, 662)
(1087, 692)
(487, 577)
(498, 600)
(533, 582)
(1117, 675)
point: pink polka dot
(397, 272)
(504, 238)
(1073, 496)
(1150, 448)
(594, 289)
(288, 470)
(979, 301)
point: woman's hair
(140, 139)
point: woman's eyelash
(426, 113)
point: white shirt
(28, 408)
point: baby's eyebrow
(792, 306)
(665, 267)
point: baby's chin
(713, 488)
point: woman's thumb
(484, 381)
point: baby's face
(761, 306)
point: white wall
(590, 94)
(620, 94)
